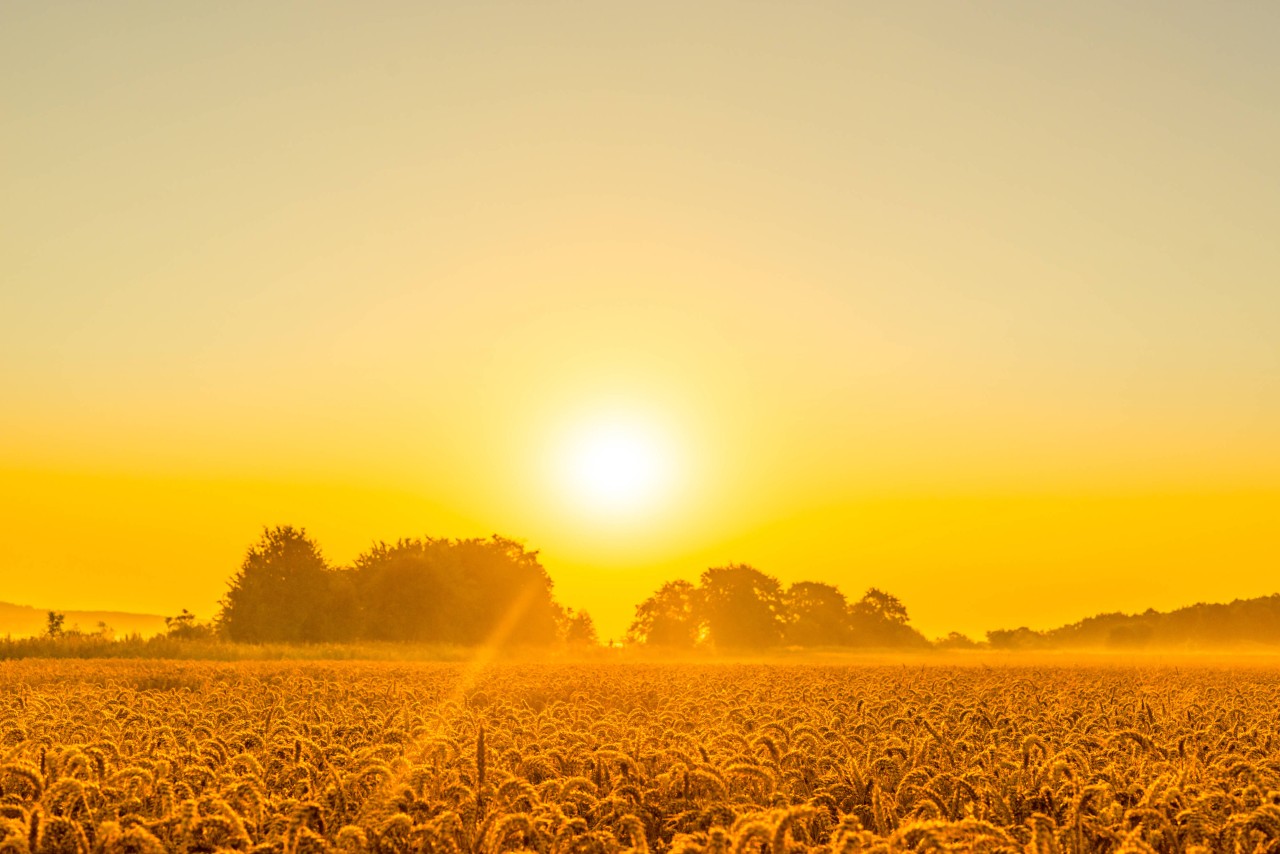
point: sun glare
(615, 468)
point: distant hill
(1242, 623)
(25, 621)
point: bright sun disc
(615, 468)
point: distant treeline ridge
(472, 592)
(494, 591)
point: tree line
(464, 591)
(1242, 622)
(740, 607)
(470, 592)
(495, 591)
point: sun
(616, 467)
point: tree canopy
(817, 615)
(466, 592)
(455, 591)
(741, 607)
(738, 607)
(668, 618)
(494, 592)
(281, 592)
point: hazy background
(976, 303)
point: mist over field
(443, 598)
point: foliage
(185, 626)
(165, 647)
(817, 615)
(427, 591)
(876, 606)
(879, 619)
(1021, 638)
(1234, 625)
(668, 618)
(741, 607)
(738, 607)
(956, 640)
(281, 593)
(469, 592)
(578, 629)
(1243, 621)
(494, 592)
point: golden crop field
(289, 757)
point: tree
(579, 629)
(667, 618)
(509, 592)
(184, 626)
(956, 640)
(1021, 638)
(406, 592)
(340, 620)
(878, 606)
(53, 626)
(281, 592)
(742, 607)
(816, 615)
(879, 619)
(470, 592)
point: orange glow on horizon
(824, 290)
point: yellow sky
(976, 304)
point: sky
(977, 303)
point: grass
(163, 647)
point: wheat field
(731, 759)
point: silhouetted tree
(281, 592)
(579, 629)
(455, 591)
(879, 619)
(406, 592)
(1021, 638)
(340, 621)
(956, 640)
(741, 607)
(53, 625)
(185, 626)
(667, 617)
(878, 606)
(509, 592)
(1199, 626)
(816, 615)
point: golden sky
(976, 303)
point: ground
(311, 756)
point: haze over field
(20, 621)
(981, 309)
